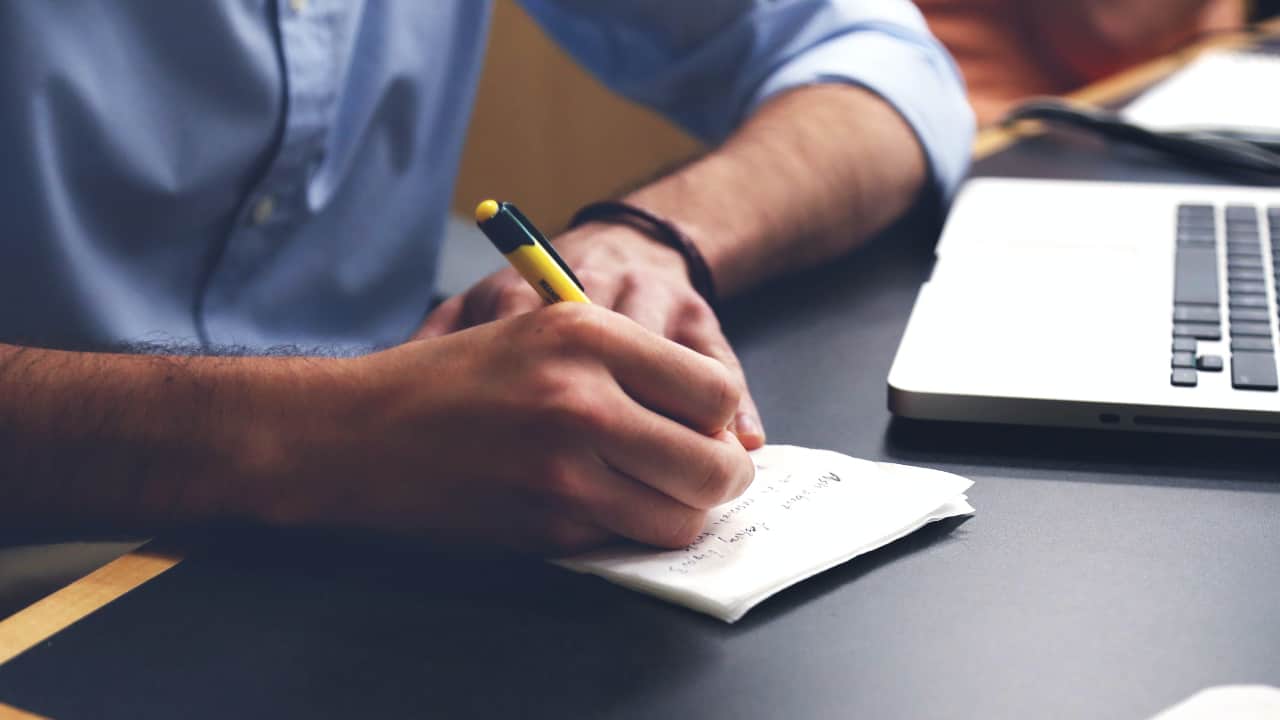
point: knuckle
(745, 474)
(695, 311)
(725, 389)
(571, 405)
(512, 298)
(716, 484)
(551, 385)
(683, 528)
(595, 281)
(578, 327)
(629, 281)
(560, 480)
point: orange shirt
(1006, 53)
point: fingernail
(746, 425)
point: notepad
(1233, 702)
(807, 511)
(1223, 91)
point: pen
(529, 252)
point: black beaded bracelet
(621, 213)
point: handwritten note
(807, 510)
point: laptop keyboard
(1252, 233)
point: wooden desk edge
(9, 712)
(994, 139)
(44, 618)
(60, 610)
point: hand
(551, 431)
(1097, 38)
(624, 270)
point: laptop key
(1184, 344)
(1196, 276)
(1201, 331)
(1182, 377)
(1207, 229)
(1253, 371)
(1209, 363)
(1196, 313)
(1205, 234)
(1184, 360)
(1245, 262)
(1245, 287)
(1248, 301)
(1247, 344)
(1249, 315)
(1239, 274)
(1240, 212)
(1251, 329)
(1198, 227)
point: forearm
(812, 173)
(134, 440)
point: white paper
(1231, 91)
(1228, 702)
(807, 510)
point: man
(255, 174)
(1011, 50)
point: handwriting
(747, 517)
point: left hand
(634, 275)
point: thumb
(446, 318)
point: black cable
(1219, 151)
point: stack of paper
(1224, 91)
(808, 510)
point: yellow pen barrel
(540, 270)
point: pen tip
(486, 210)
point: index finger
(706, 338)
(664, 375)
(446, 318)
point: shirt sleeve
(707, 64)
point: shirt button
(263, 209)
(298, 5)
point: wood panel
(549, 137)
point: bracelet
(656, 228)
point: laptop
(1099, 305)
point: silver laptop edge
(1052, 303)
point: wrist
(659, 230)
(591, 247)
(285, 417)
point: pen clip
(539, 238)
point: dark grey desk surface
(1104, 576)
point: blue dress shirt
(258, 172)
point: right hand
(551, 431)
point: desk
(1104, 576)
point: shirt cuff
(914, 75)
